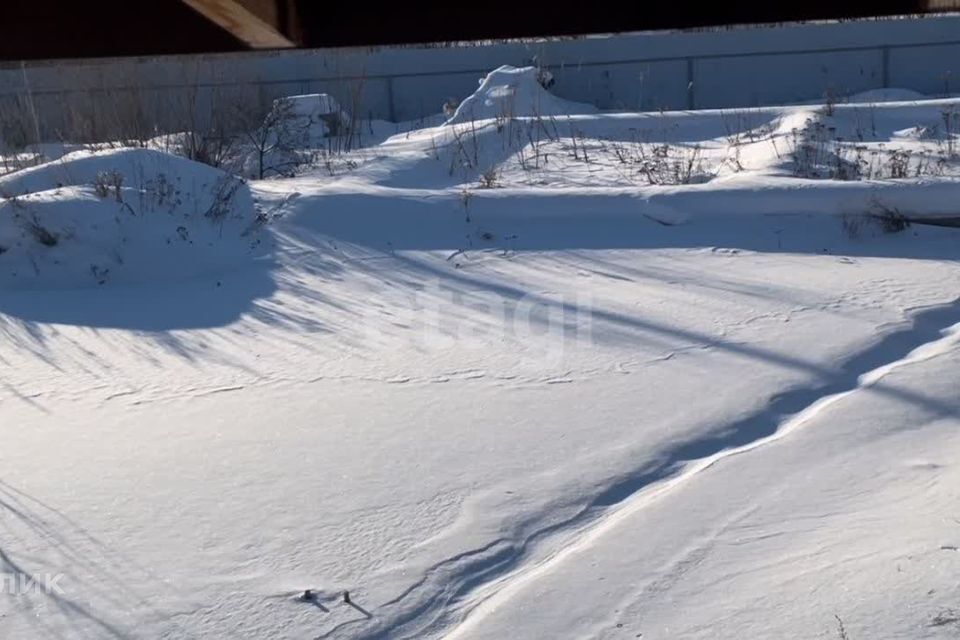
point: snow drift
(891, 94)
(193, 456)
(127, 215)
(509, 92)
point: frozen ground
(522, 375)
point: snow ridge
(931, 333)
(455, 594)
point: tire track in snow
(933, 332)
(457, 593)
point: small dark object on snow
(308, 596)
(348, 601)
(944, 618)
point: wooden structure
(39, 29)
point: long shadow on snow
(627, 329)
(212, 300)
(927, 326)
(71, 551)
(388, 223)
(512, 220)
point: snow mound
(514, 92)
(138, 168)
(127, 215)
(35, 154)
(930, 131)
(887, 95)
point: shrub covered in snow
(291, 133)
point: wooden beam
(241, 22)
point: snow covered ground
(521, 375)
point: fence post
(391, 108)
(885, 66)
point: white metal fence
(744, 66)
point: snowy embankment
(609, 375)
(130, 215)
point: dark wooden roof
(31, 29)
(336, 23)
